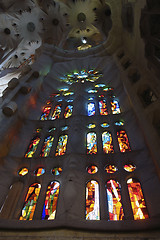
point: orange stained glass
(57, 112)
(129, 167)
(30, 202)
(103, 108)
(62, 145)
(32, 147)
(137, 199)
(45, 113)
(91, 143)
(110, 169)
(92, 169)
(123, 141)
(114, 201)
(39, 171)
(68, 111)
(23, 172)
(56, 171)
(92, 201)
(107, 142)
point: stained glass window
(105, 125)
(137, 199)
(47, 146)
(119, 123)
(45, 113)
(107, 142)
(114, 201)
(50, 204)
(103, 107)
(91, 143)
(32, 147)
(123, 141)
(115, 107)
(68, 111)
(92, 169)
(91, 109)
(91, 125)
(92, 201)
(129, 167)
(39, 171)
(23, 171)
(110, 169)
(57, 112)
(56, 171)
(30, 202)
(62, 145)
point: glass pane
(92, 169)
(62, 145)
(105, 125)
(123, 141)
(110, 169)
(129, 167)
(32, 147)
(103, 108)
(23, 172)
(68, 111)
(91, 125)
(47, 146)
(92, 201)
(115, 107)
(57, 171)
(137, 200)
(91, 143)
(114, 201)
(107, 142)
(56, 113)
(50, 205)
(119, 123)
(91, 109)
(45, 113)
(39, 171)
(30, 202)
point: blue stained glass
(91, 109)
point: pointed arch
(115, 207)
(57, 112)
(30, 202)
(137, 199)
(32, 147)
(51, 200)
(68, 111)
(91, 143)
(103, 107)
(45, 113)
(107, 142)
(92, 201)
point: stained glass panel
(68, 111)
(114, 201)
(30, 202)
(39, 171)
(62, 145)
(32, 147)
(137, 199)
(56, 113)
(110, 169)
(91, 125)
(115, 107)
(107, 142)
(123, 141)
(23, 171)
(129, 167)
(45, 113)
(56, 171)
(50, 205)
(92, 169)
(119, 123)
(91, 109)
(105, 125)
(103, 108)
(91, 143)
(92, 201)
(47, 146)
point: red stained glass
(68, 111)
(137, 200)
(32, 147)
(92, 169)
(103, 107)
(114, 201)
(123, 141)
(110, 169)
(45, 113)
(23, 172)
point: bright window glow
(92, 201)
(129, 167)
(103, 108)
(45, 113)
(62, 145)
(23, 172)
(114, 201)
(105, 125)
(110, 169)
(68, 111)
(56, 171)
(39, 171)
(91, 143)
(92, 169)
(137, 200)
(91, 125)
(56, 113)
(47, 146)
(107, 142)
(50, 204)
(91, 109)
(123, 141)
(32, 147)
(115, 107)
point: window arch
(68, 111)
(107, 142)
(56, 112)
(137, 199)
(115, 207)
(62, 145)
(91, 109)
(91, 143)
(103, 107)
(45, 113)
(47, 146)
(30, 202)
(32, 147)
(92, 201)
(50, 204)
(123, 141)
